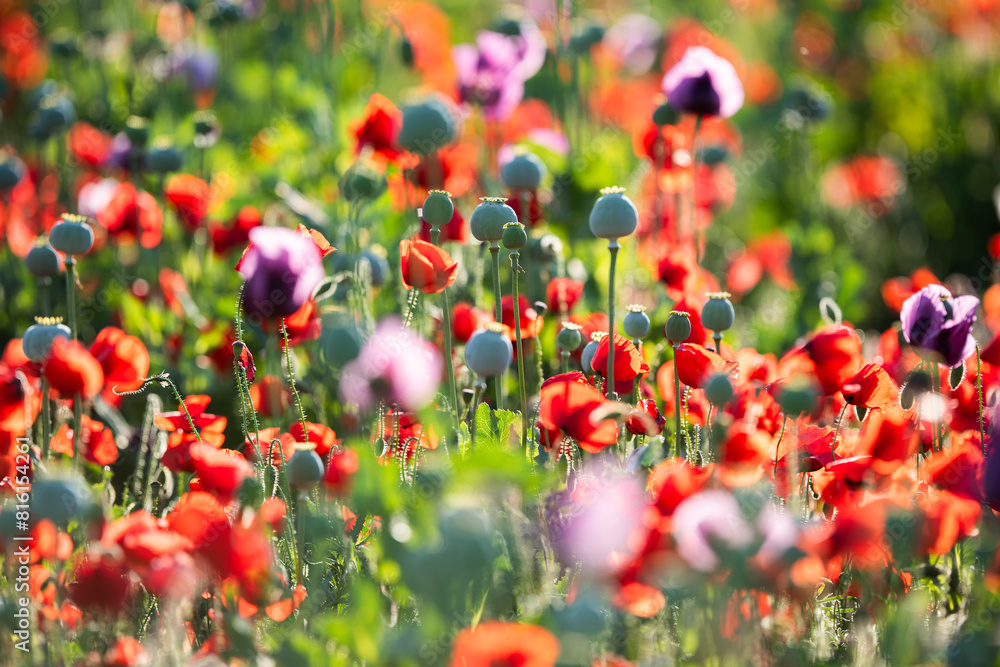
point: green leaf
(505, 420)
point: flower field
(404, 333)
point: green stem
(565, 361)
(448, 358)
(46, 418)
(836, 432)
(613, 247)
(520, 353)
(71, 294)
(777, 447)
(677, 408)
(291, 381)
(495, 252)
(979, 392)
(476, 393)
(695, 230)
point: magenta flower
(281, 268)
(635, 39)
(395, 365)
(492, 72)
(707, 523)
(935, 321)
(705, 84)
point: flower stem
(495, 252)
(291, 381)
(613, 247)
(476, 393)
(979, 392)
(836, 432)
(520, 353)
(46, 418)
(449, 360)
(695, 229)
(677, 409)
(777, 448)
(565, 361)
(71, 312)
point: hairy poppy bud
(797, 399)
(251, 493)
(636, 323)
(489, 352)
(614, 215)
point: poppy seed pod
(489, 352)
(42, 261)
(678, 327)
(72, 235)
(137, 131)
(590, 351)
(163, 157)
(61, 499)
(797, 399)
(665, 115)
(11, 172)
(636, 323)
(438, 208)
(718, 390)
(718, 313)
(524, 172)
(569, 337)
(304, 469)
(614, 215)
(362, 182)
(514, 236)
(488, 219)
(37, 339)
(426, 127)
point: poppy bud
(489, 352)
(590, 351)
(488, 219)
(38, 338)
(636, 323)
(797, 399)
(304, 469)
(406, 51)
(665, 115)
(270, 479)
(678, 327)
(426, 127)
(614, 215)
(42, 261)
(718, 313)
(524, 172)
(72, 235)
(251, 493)
(163, 157)
(438, 208)
(137, 131)
(718, 390)
(569, 337)
(514, 237)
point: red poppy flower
(895, 291)
(71, 369)
(561, 294)
(379, 129)
(220, 471)
(572, 408)
(212, 427)
(499, 644)
(645, 419)
(340, 471)
(531, 323)
(957, 470)
(199, 517)
(466, 320)
(302, 326)
(890, 437)
(695, 364)
(126, 652)
(19, 406)
(100, 585)
(693, 308)
(410, 433)
(280, 451)
(639, 599)
(237, 233)
(871, 387)
(323, 437)
(677, 270)
(124, 359)
(47, 541)
(629, 363)
(743, 454)
(946, 518)
(269, 397)
(426, 267)
(456, 230)
(190, 197)
(97, 444)
(833, 355)
(89, 144)
(673, 481)
(535, 212)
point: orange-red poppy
(629, 363)
(573, 408)
(561, 294)
(531, 322)
(871, 387)
(71, 369)
(124, 359)
(499, 644)
(379, 128)
(695, 364)
(97, 444)
(190, 197)
(426, 267)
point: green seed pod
(636, 323)
(524, 172)
(678, 327)
(489, 352)
(719, 390)
(718, 313)
(137, 131)
(11, 172)
(614, 215)
(438, 208)
(797, 398)
(163, 157)
(488, 219)
(426, 127)
(569, 337)
(304, 469)
(362, 182)
(514, 237)
(587, 356)
(72, 235)
(251, 493)
(38, 338)
(42, 261)
(61, 499)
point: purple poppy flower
(705, 84)
(281, 268)
(707, 523)
(492, 72)
(635, 39)
(935, 321)
(394, 365)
